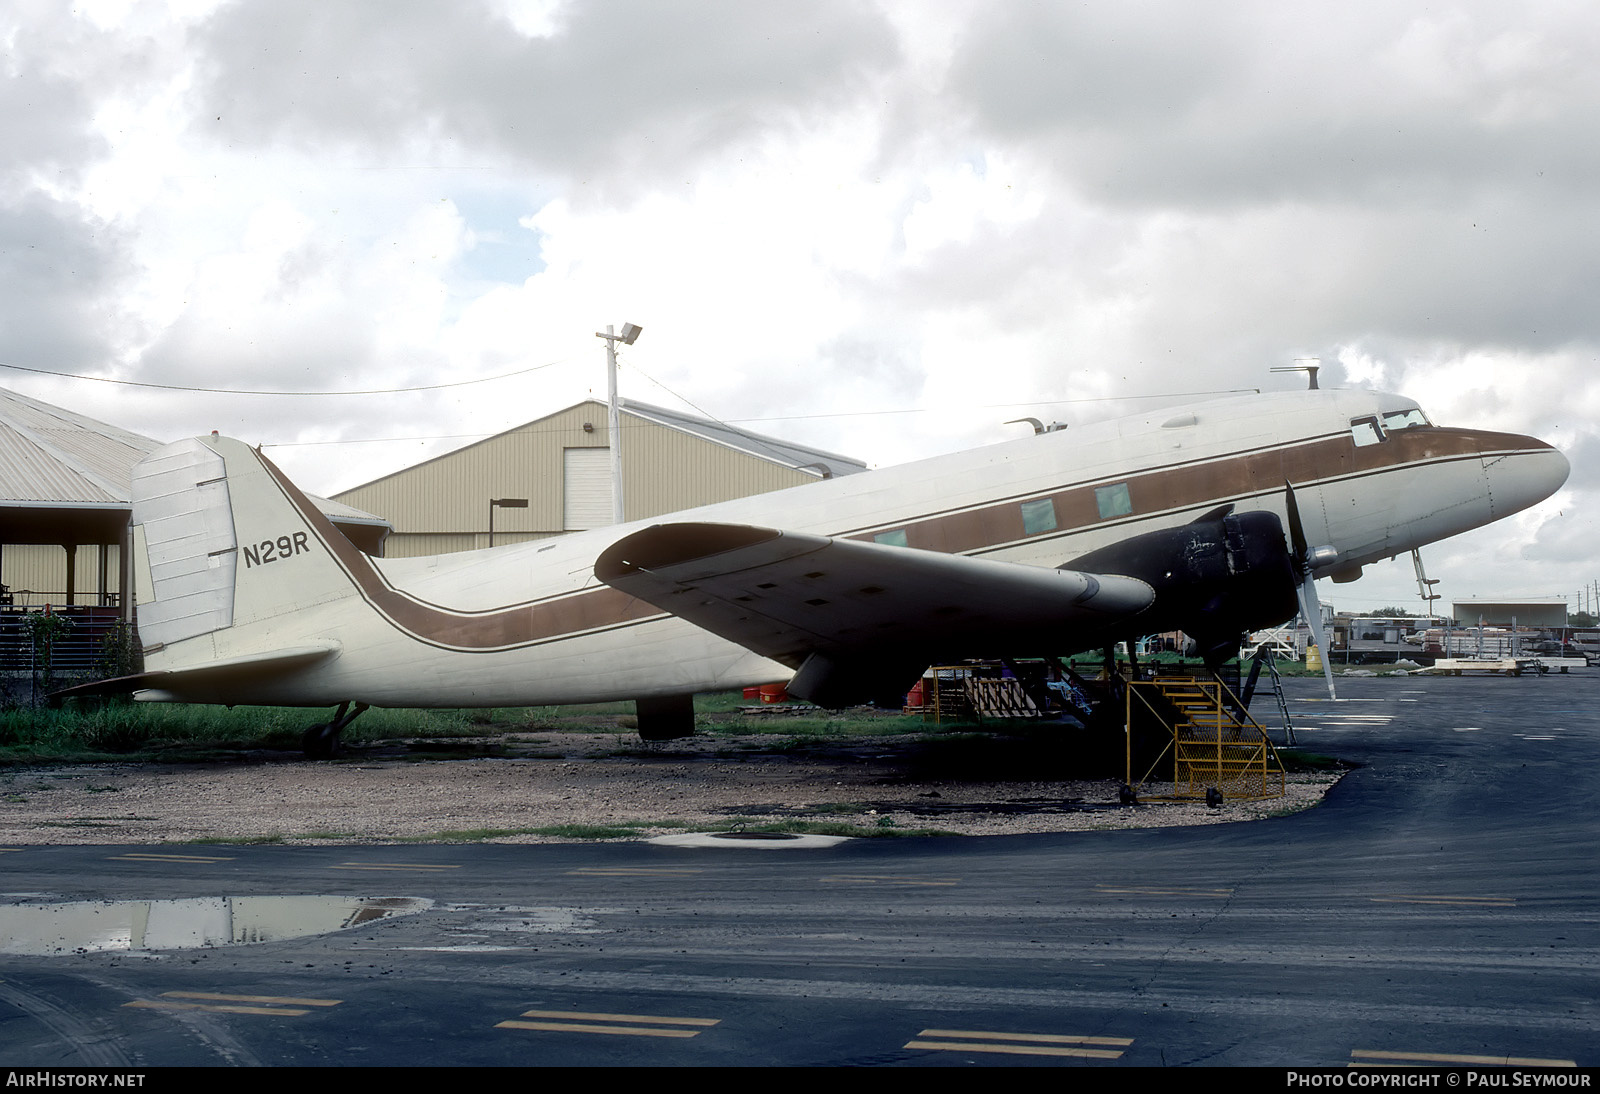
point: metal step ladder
(1215, 745)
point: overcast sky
(880, 228)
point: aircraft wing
(852, 612)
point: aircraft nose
(1524, 475)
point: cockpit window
(1375, 429)
(1365, 431)
(1404, 419)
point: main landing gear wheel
(321, 742)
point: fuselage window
(897, 538)
(1365, 431)
(1114, 501)
(1038, 516)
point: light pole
(503, 503)
(630, 332)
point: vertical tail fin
(222, 541)
(185, 549)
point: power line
(778, 418)
(246, 391)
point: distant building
(560, 465)
(1542, 612)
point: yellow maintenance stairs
(1212, 745)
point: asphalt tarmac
(1439, 907)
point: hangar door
(586, 489)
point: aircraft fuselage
(531, 624)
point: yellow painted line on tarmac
(288, 1000)
(1163, 892)
(281, 1006)
(1020, 1044)
(634, 871)
(1370, 1058)
(139, 856)
(392, 866)
(889, 879)
(1459, 901)
(598, 1016)
(219, 1008)
(617, 1025)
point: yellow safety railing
(1211, 746)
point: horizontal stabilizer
(209, 682)
(787, 595)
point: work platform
(1210, 739)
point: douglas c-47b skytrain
(1212, 519)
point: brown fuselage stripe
(1201, 483)
(1197, 485)
(523, 624)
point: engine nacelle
(1215, 578)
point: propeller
(1306, 561)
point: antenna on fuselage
(1038, 426)
(1311, 369)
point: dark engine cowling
(1214, 579)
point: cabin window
(1038, 516)
(1365, 431)
(1113, 501)
(896, 538)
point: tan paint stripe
(390, 866)
(171, 858)
(598, 1016)
(1451, 1058)
(159, 1004)
(1045, 1038)
(1468, 901)
(1015, 1050)
(635, 871)
(289, 1000)
(578, 1027)
(1164, 892)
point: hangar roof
(757, 444)
(66, 477)
(51, 455)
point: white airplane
(1200, 519)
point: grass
(96, 732)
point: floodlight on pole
(630, 334)
(503, 503)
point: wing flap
(789, 595)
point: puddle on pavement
(198, 922)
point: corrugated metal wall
(443, 505)
(37, 574)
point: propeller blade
(1311, 608)
(1310, 604)
(1297, 531)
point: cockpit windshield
(1375, 428)
(1404, 419)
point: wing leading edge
(855, 618)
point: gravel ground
(387, 794)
